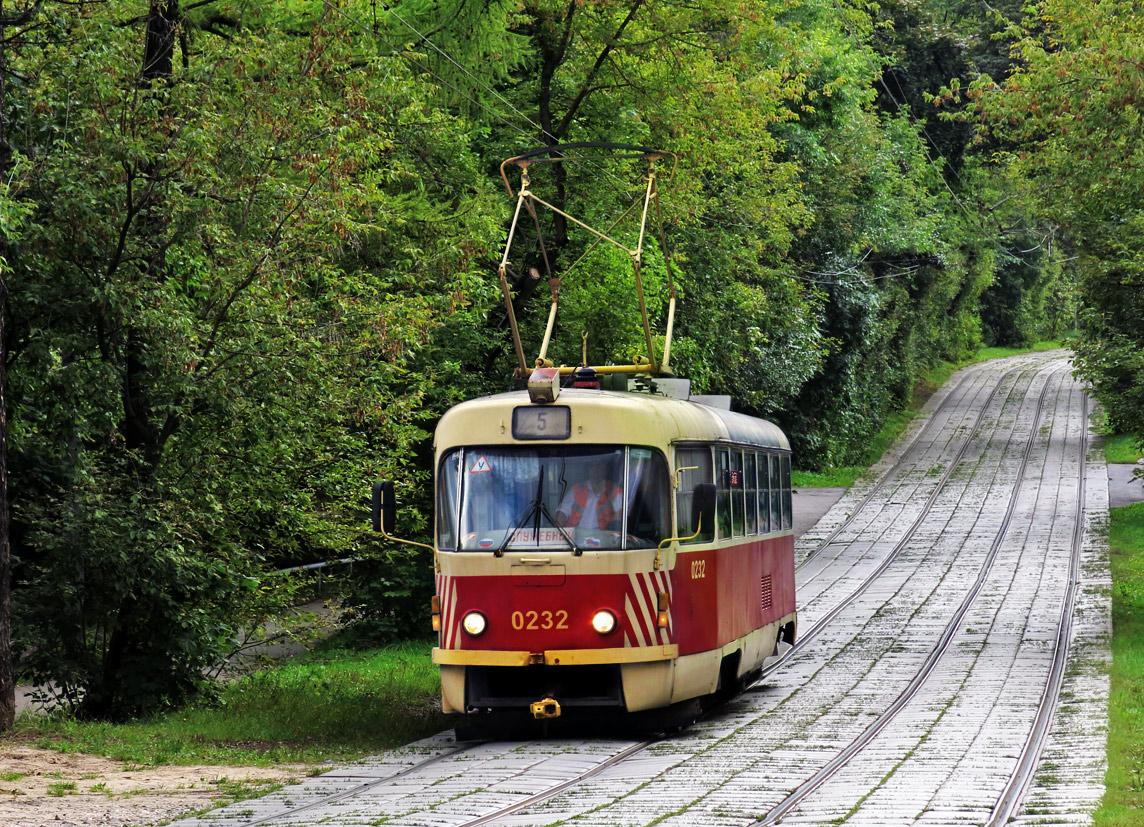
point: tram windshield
(587, 498)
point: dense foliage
(224, 276)
(251, 257)
(1071, 115)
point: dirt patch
(41, 788)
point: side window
(738, 494)
(788, 516)
(751, 484)
(723, 493)
(447, 502)
(764, 493)
(648, 513)
(776, 494)
(692, 466)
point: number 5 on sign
(548, 422)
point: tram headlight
(474, 623)
(604, 622)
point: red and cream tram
(604, 549)
(563, 582)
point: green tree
(895, 252)
(240, 249)
(824, 256)
(700, 80)
(1069, 116)
(14, 27)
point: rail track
(941, 647)
(879, 638)
(1033, 748)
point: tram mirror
(384, 507)
(703, 505)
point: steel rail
(881, 480)
(556, 789)
(361, 787)
(1018, 785)
(812, 632)
(848, 753)
(487, 818)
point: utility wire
(390, 11)
(925, 149)
(506, 120)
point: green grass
(987, 353)
(842, 477)
(1125, 448)
(1121, 448)
(897, 422)
(1124, 783)
(337, 705)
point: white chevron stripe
(653, 584)
(633, 621)
(454, 626)
(646, 606)
(443, 596)
(446, 611)
(648, 589)
(645, 612)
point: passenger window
(776, 494)
(751, 485)
(723, 502)
(788, 516)
(764, 494)
(738, 491)
(692, 466)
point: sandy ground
(43, 788)
(56, 790)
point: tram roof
(603, 417)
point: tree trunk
(159, 47)
(7, 677)
(552, 42)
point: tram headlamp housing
(544, 385)
(604, 622)
(475, 623)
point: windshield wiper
(537, 509)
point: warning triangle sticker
(481, 466)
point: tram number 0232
(698, 569)
(540, 620)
